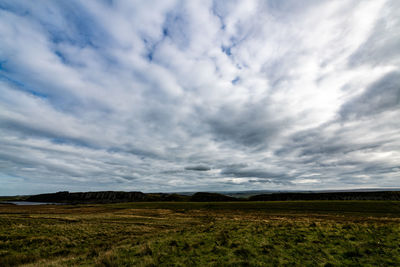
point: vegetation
(13, 198)
(298, 233)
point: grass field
(300, 233)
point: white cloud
(125, 95)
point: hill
(121, 196)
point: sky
(172, 96)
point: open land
(291, 233)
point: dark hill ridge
(120, 196)
(378, 195)
(89, 197)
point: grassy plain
(291, 233)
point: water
(29, 203)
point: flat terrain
(291, 233)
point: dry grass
(151, 234)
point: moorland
(236, 233)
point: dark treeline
(120, 196)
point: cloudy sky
(199, 95)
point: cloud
(198, 95)
(249, 125)
(382, 46)
(262, 174)
(381, 96)
(201, 168)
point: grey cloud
(25, 129)
(246, 171)
(383, 45)
(343, 153)
(198, 168)
(381, 96)
(250, 125)
(319, 143)
(254, 173)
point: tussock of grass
(205, 234)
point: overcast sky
(199, 95)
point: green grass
(301, 233)
(339, 207)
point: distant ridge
(374, 195)
(89, 197)
(248, 193)
(121, 196)
(211, 197)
